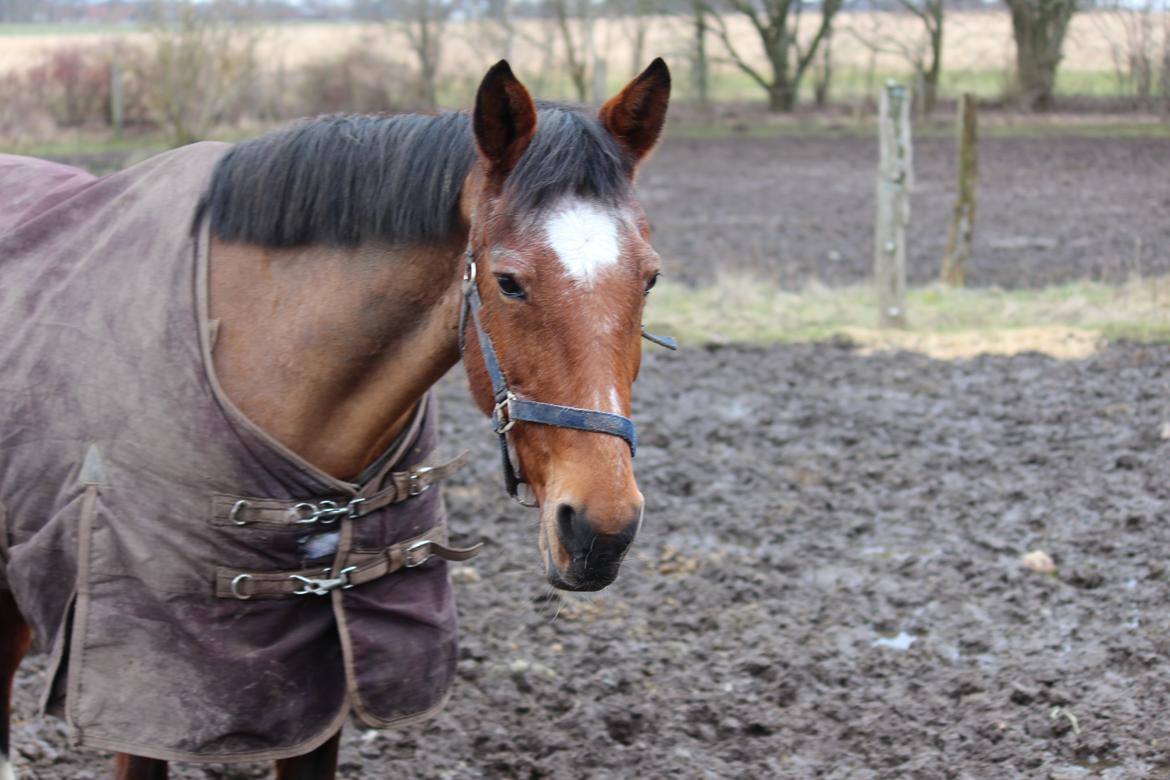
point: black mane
(347, 180)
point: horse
(347, 263)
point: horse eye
(653, 281)
(509, 286)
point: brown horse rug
(204, 592)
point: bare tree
(700, 65)
(928, 60)
(923, 53)
(777, 22)
(1131, 33)
(423, 24)
(574, 21)
(1165, 64)
(637, 16)
(499, 15)
(1039, 27)
(823, 71)
(199, 65)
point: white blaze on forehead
(585, 239)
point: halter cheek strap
(510, 409)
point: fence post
(894, 181)
(117, 107)
(958, 252)
(599, 87)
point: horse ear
(505, 118)
(636, 114)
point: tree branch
(721, 31)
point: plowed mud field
(796, 209)
(828, 585)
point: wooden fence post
(894, 181)
(599, 76)
(117, 110)
(958, 252)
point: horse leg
(15, 639)
(321, 764)
(128, 767)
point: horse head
(559, 278)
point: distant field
(978, 54)
(54, 30)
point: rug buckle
(420, 480)
(408, 559)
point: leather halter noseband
(509, 408)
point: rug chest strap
(360, 568)
(404, 485)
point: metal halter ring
(469, 274)
(239, 580)
(498, 416)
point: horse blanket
(152, 535)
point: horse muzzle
(589, 560)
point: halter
(510, 409)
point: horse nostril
(567, 526)
(583, 543)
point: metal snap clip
(328, 512)
(321, 586)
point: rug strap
(360, 568)
(401, 486)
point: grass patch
(1067, 320)
(71, 144)
(15, 29)
(102, 153)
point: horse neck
(330, 350)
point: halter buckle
(503, 423)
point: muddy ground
(827, 585)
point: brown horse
(342, 291)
